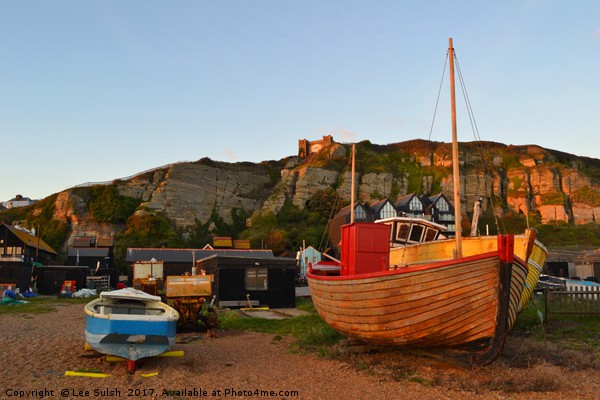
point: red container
(365, 248)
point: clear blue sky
(99, 90)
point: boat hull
(129, 329)
(526, 248)
(467, 304)
(461, 306)
(535, 263)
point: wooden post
(455, 172)
(546, 305)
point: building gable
(30, 240)
(383, 209)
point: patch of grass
(310, 331)
(277, 338)
(417, 379)
(27, 308)
(584, 329)
(539, 378)
(305, 304)
(316, 335)
(92, 370)
(566, 340)
(40, 305)
(559, 235)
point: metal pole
(352, 187)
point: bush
(107, 205)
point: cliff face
(189, 192)
(525, 179)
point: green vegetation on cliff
(41, 217)
(149, 230)
(286, 230)
(107, 205)
(179, 214)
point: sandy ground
(37, 349)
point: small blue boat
(131, 324)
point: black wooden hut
(20, 250)
(17, 274)
(20, 245)
(92, 257)
(263, 281)
(51, 277)
(180, 261)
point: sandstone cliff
(525, 179)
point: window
(416, 234)
(359, 213)
(415, 205)
(446, 217)
(388, 212)
(257, 278)
(442, 205)
(430, 234)
(402, 232)
(18, 250)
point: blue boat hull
(130, 339)
(130, 323)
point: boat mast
(352, 187)
(455, 176)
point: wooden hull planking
(535, 263)
(463, 303)
(526, 248)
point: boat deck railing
(135, 309)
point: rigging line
(325, 235)
(479, 143)
(336, 203)
(437, 103)
(470, 112)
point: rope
(475, 129)
(336, 203)
(437, 102)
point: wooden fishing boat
(399, 285)
(408, 247)
(461, 304)
(131, 324)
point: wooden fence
(572, 301)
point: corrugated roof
(377, 206)
(346, 210)
(241, 244)
(105, 242)
(404, 200)
(82, 241)
(30, 240)
(88, 252)
(274, 261)
(186, 255)
(222, 241)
